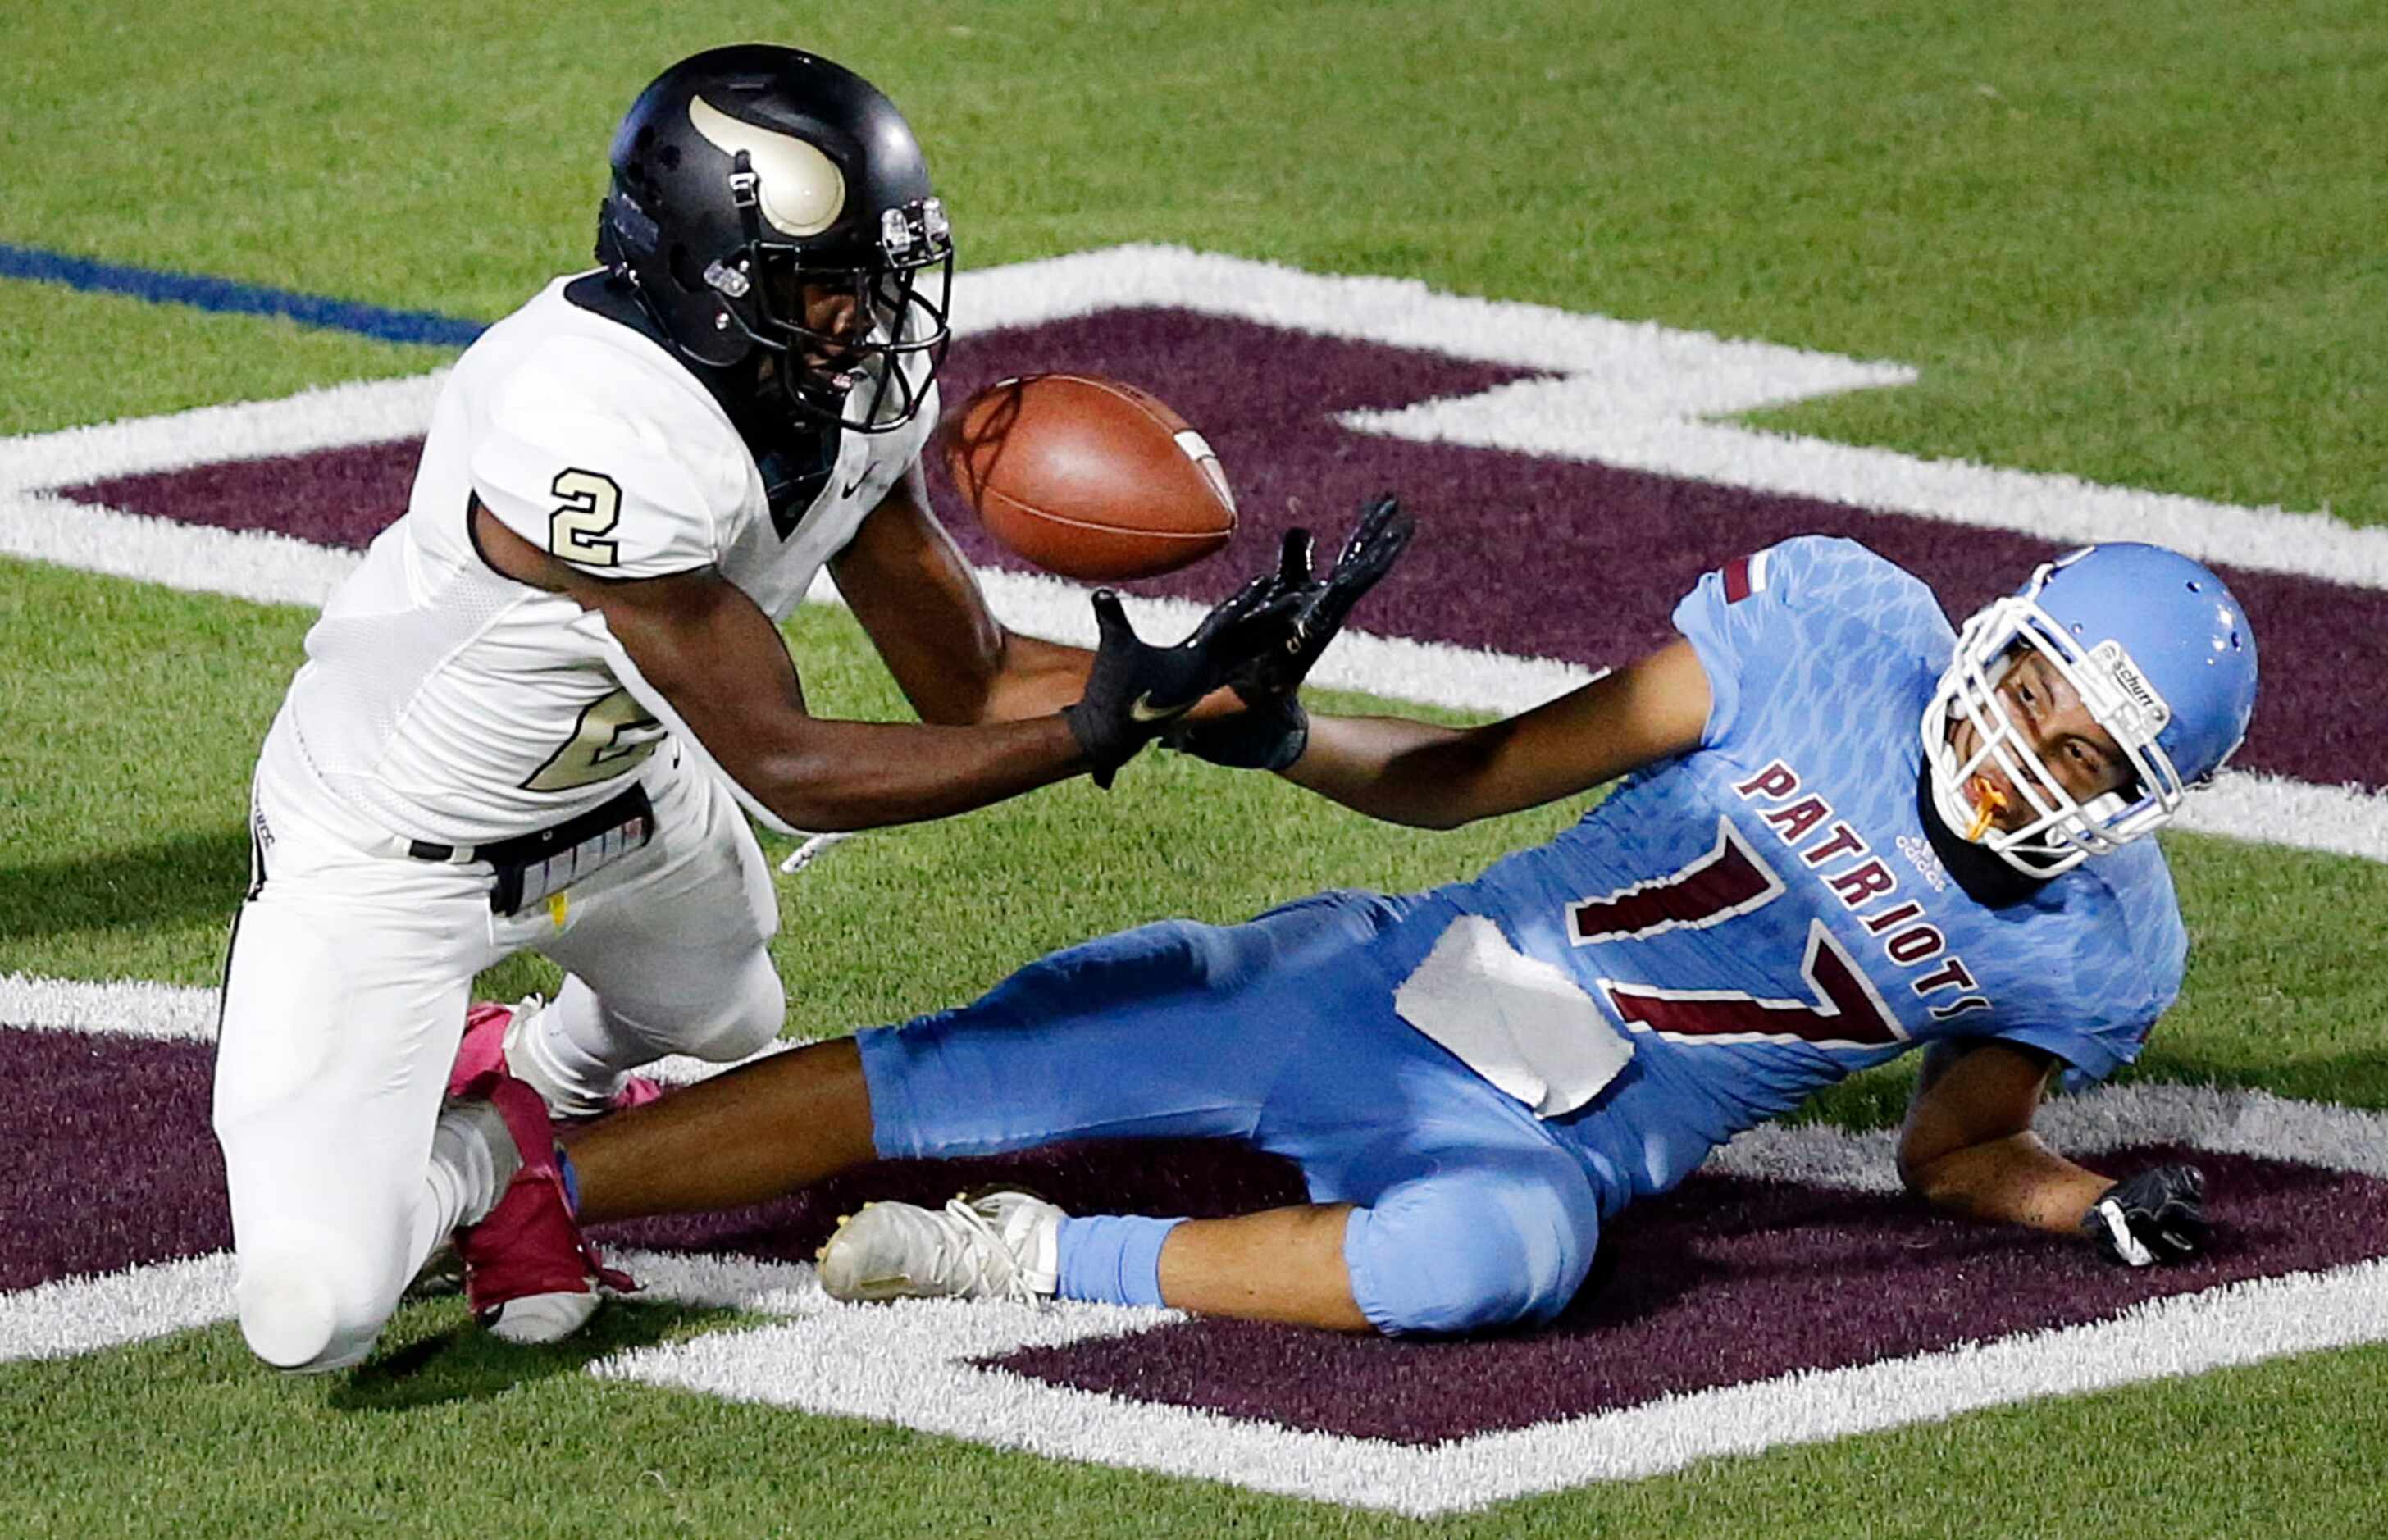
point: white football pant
(344, 1001)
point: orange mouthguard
(1988, 806)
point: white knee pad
(303, 1312)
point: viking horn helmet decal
(800, 190)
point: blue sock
(1112, 1259)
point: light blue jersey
(1757, 918)
(1766, 914)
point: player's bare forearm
(921, 603)
(1968, 1146)
(745, 704)
(1440, 777)
(2015, 1180)
(730, 679)
(1036, 679)
(830, 776)
(1391, 768)
(723, 669)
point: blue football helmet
(2160, 652)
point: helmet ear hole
(684, 268)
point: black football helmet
(769, 202)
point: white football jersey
(447, 702)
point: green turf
(447, 1434)
(2124, 240)
(2132, 242)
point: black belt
(530, 867)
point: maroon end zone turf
(1523, 556)
(1723, 1281)
(109, 1158)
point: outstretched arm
(720, 663)
(1435, 777)
(1002, 714)
(921, 605)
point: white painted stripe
(1631, 395)
(336, 416)
(132, 1008)
(264, 567)
(124, 1008)
(1633, 392)
(911, 1365)
(2184, 1335)
(1636, 366)
(86, 1315)
(2271, 810)
(1555, 420)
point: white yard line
(75, 1315)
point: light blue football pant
(1282, 1033)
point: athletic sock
(565, 1053)
(473, 1158)
(1112, 1259)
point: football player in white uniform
(538, 715)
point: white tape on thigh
(1521, 1024)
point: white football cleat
(998, 1245)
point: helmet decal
(2138, 713)
(800, 190)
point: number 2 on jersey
(593, 505)
(613, 736)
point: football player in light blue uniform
(1845, 831)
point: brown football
(1089, 477)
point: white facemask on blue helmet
(2160, 652)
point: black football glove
(1136, 690)
(1269, 733)
(1272, 729)
(1375, 543)
(2158, 1215)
